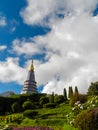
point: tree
(93, 88)
(70, 92)
(65, 94)
(76, 90)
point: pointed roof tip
(31, 68)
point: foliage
(30, 113)
(55, 117)
(6, 102)
(87, 120)
(91, 103)
(15, 107)
(65, 94)
(93, 88)
(78, 107)
(59, 99)
(51, 98)
(70, 118)
(17, 118)
(70, 94)
(49, 105)
(44, 100)
(78, 97)
(3, 105)
(27, 105)
(68, 127)
(76, 90)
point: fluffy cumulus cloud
(37, 12)
(70, 48)
(3, 21)
(25, 47)
(10, 71)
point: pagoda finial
(31, 66)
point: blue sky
(10, 12)
(60, 36)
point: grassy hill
(47, 111)
(56, 118)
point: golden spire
(31, 66)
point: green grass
(57, 112)
(68, 127)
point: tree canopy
(93, 88)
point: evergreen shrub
(49, 105)
(87, 120)
(30, 113)
(15, 107)
(27, 105)
(59, 99)
(44, 100)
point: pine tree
(76, 90)
(70, 92)
(65, 94)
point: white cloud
(36, 12)
(3, 21)
(11, 72)
(3, 47)
(71, 51)
(70, 47)
(25, 47)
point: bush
(15, 107)
(49, 105)
(87, 120)
(30, 113)
(59, 99)
(27, 105)
(51, 98)
(78, 97)
(92, 102)
(44, 100)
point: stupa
(30, 83)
